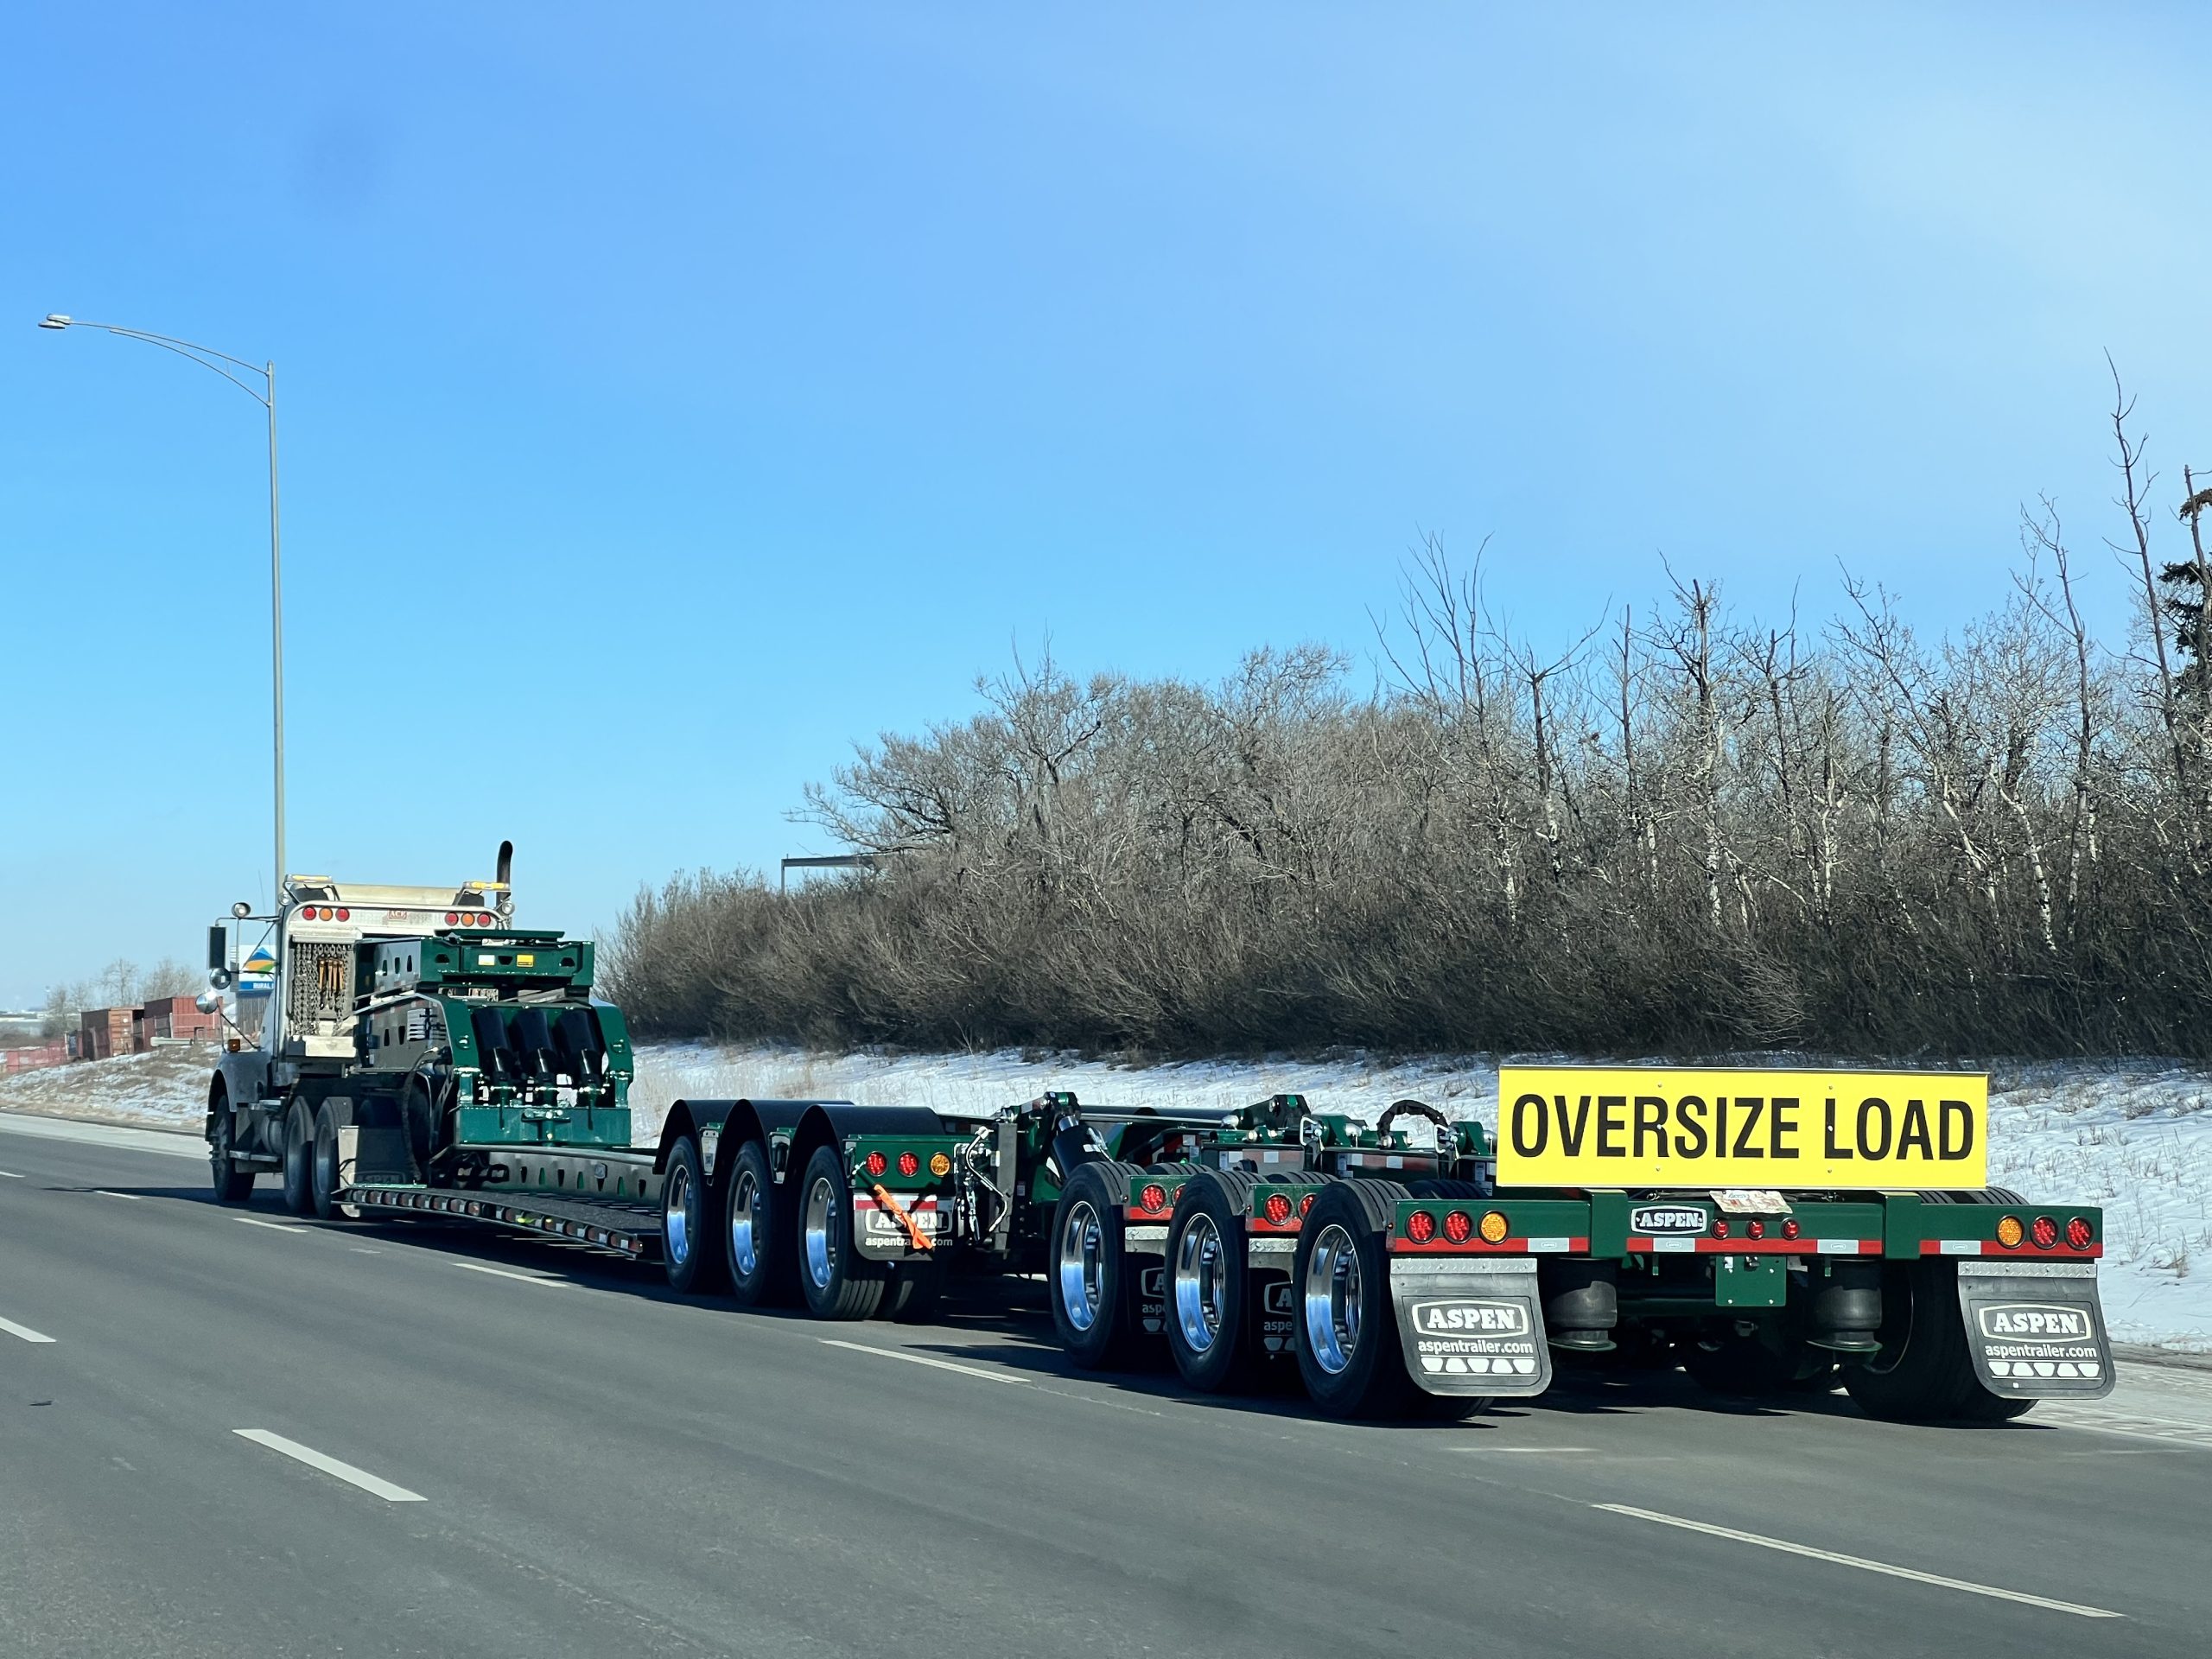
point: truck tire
(1093, 1288)
(1923, 1373)
(1209, 1282)
(323, 1175)
(757, 1244)
(1349, 1355)
(690, 1224)
(299, 1160)
(231, 1184)
(836, 1282)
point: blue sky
(668, 404)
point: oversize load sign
(1593, 1126)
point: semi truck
(422, 1056)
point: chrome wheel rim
(1335, 1298)
(820, 1250)
(1082, 1265)
(676, 1213)
(744, 1205)
(1201, 1284)
(326, 1165)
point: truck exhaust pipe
(505, 902)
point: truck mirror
(218, 947)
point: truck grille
(322, 986)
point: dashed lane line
(329, 1465)
(10, 1174)
(520, 1278)
(130, 1198)
(273, 1226)
(24, 1331)
(1858, 1561)
(925, 1359)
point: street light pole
(213, 360)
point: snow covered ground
(2135, 1136)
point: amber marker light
(1494, 1228)
(2010, 1232)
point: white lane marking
(925, 1359)
(362, 1250)
(345, 1471)
(10, 1174)
(273, 1226)
(24, 1331)
(501, 1273)
(1531, 1451)
(1860, 1561)
(134, 1198)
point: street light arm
(191, 353)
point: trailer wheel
(324, 1177)
(832, 1276)
(1094, 1303)
(1923, 1373)
(1208, 1280)
(1348, 1350)
(688, 1224)
(299, 1159)
(758, 1249)
(232, 1184)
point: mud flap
(2036, 1330)
(1471, 1325)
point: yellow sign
(1661, 1126)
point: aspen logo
(1457, 1319)
(1280, 1298)
(2030, 1320)
(1649, 1218)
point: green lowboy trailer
(1772, 1231)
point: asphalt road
(561, 1458)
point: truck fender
(712, 1122)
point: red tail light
(1720, 1226)
(1755, 1228)
(344, 914)
(452, 918)
(2044, 1232)
(1790, 1228)
(1278, 1208)
(1420, 1226)
(876, 1163)
(2080, 1234)
(909, 1164)
(1306, 1203)
(1458, 1226)
(1154, 1198)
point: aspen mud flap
(2036, 1330)
(1471, 1327)
(883, 1233)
